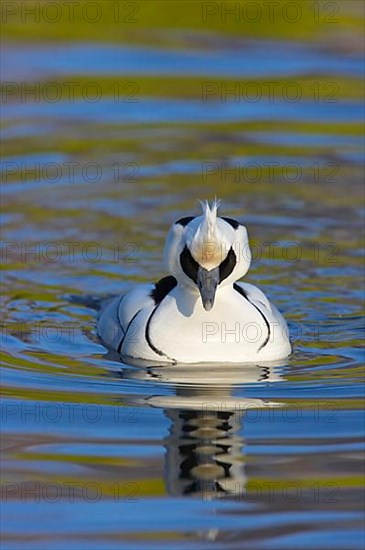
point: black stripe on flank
(240, 290)
(189, 265)
(227, 266)
(148, 339)
(162, 288)
(185, 221)
(118, 308)
(234, 223)
(243, 293)
(126, 331)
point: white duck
(198, 313)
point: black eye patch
(185, 221)
(235, 224)
(227, 266)
(189, 265)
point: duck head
(207, 252)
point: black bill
(207, 284)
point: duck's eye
(188, 264)
(227, 266)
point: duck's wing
(117, 314)
(254, 295)
(261, 302)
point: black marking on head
(244, 294)
(162, 288)
(227, 266)
(189, 265)
(185, 221)
(234, 223)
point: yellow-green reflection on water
(98, 454)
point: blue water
(98, 454)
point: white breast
(238, 329)
(233, 331)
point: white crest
(206, 245)
(208, 227)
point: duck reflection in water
(203, 453)
(204, 449)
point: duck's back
(118, 313)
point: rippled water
(99, 454)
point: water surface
(101, 454)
